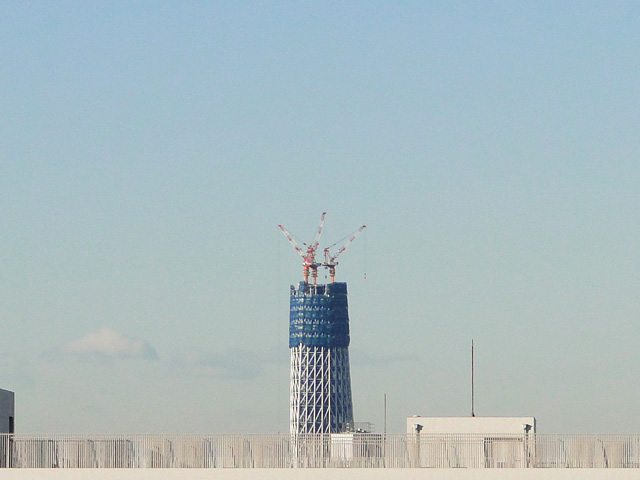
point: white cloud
(110, 344)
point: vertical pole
(385, 413)
(384, 437)
(473, 413)
(365, 255)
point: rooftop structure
(471, 425)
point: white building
(6, 411)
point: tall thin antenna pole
(365, 257)
(385, 413)
(473, 413)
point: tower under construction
(320, 380)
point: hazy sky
(150, 149)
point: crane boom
(291, 240)
(308, 257)
(347, 241)
(316, 239)
(330, 260)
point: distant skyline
(150, 150)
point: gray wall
(6, 410)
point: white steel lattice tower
(320, 382)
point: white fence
(348, 450)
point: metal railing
(360, 450)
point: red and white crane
(330, 260)
(309, 256)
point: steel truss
(320, 390)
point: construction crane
(309, 256)
(330, 260)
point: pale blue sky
(150, 149)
